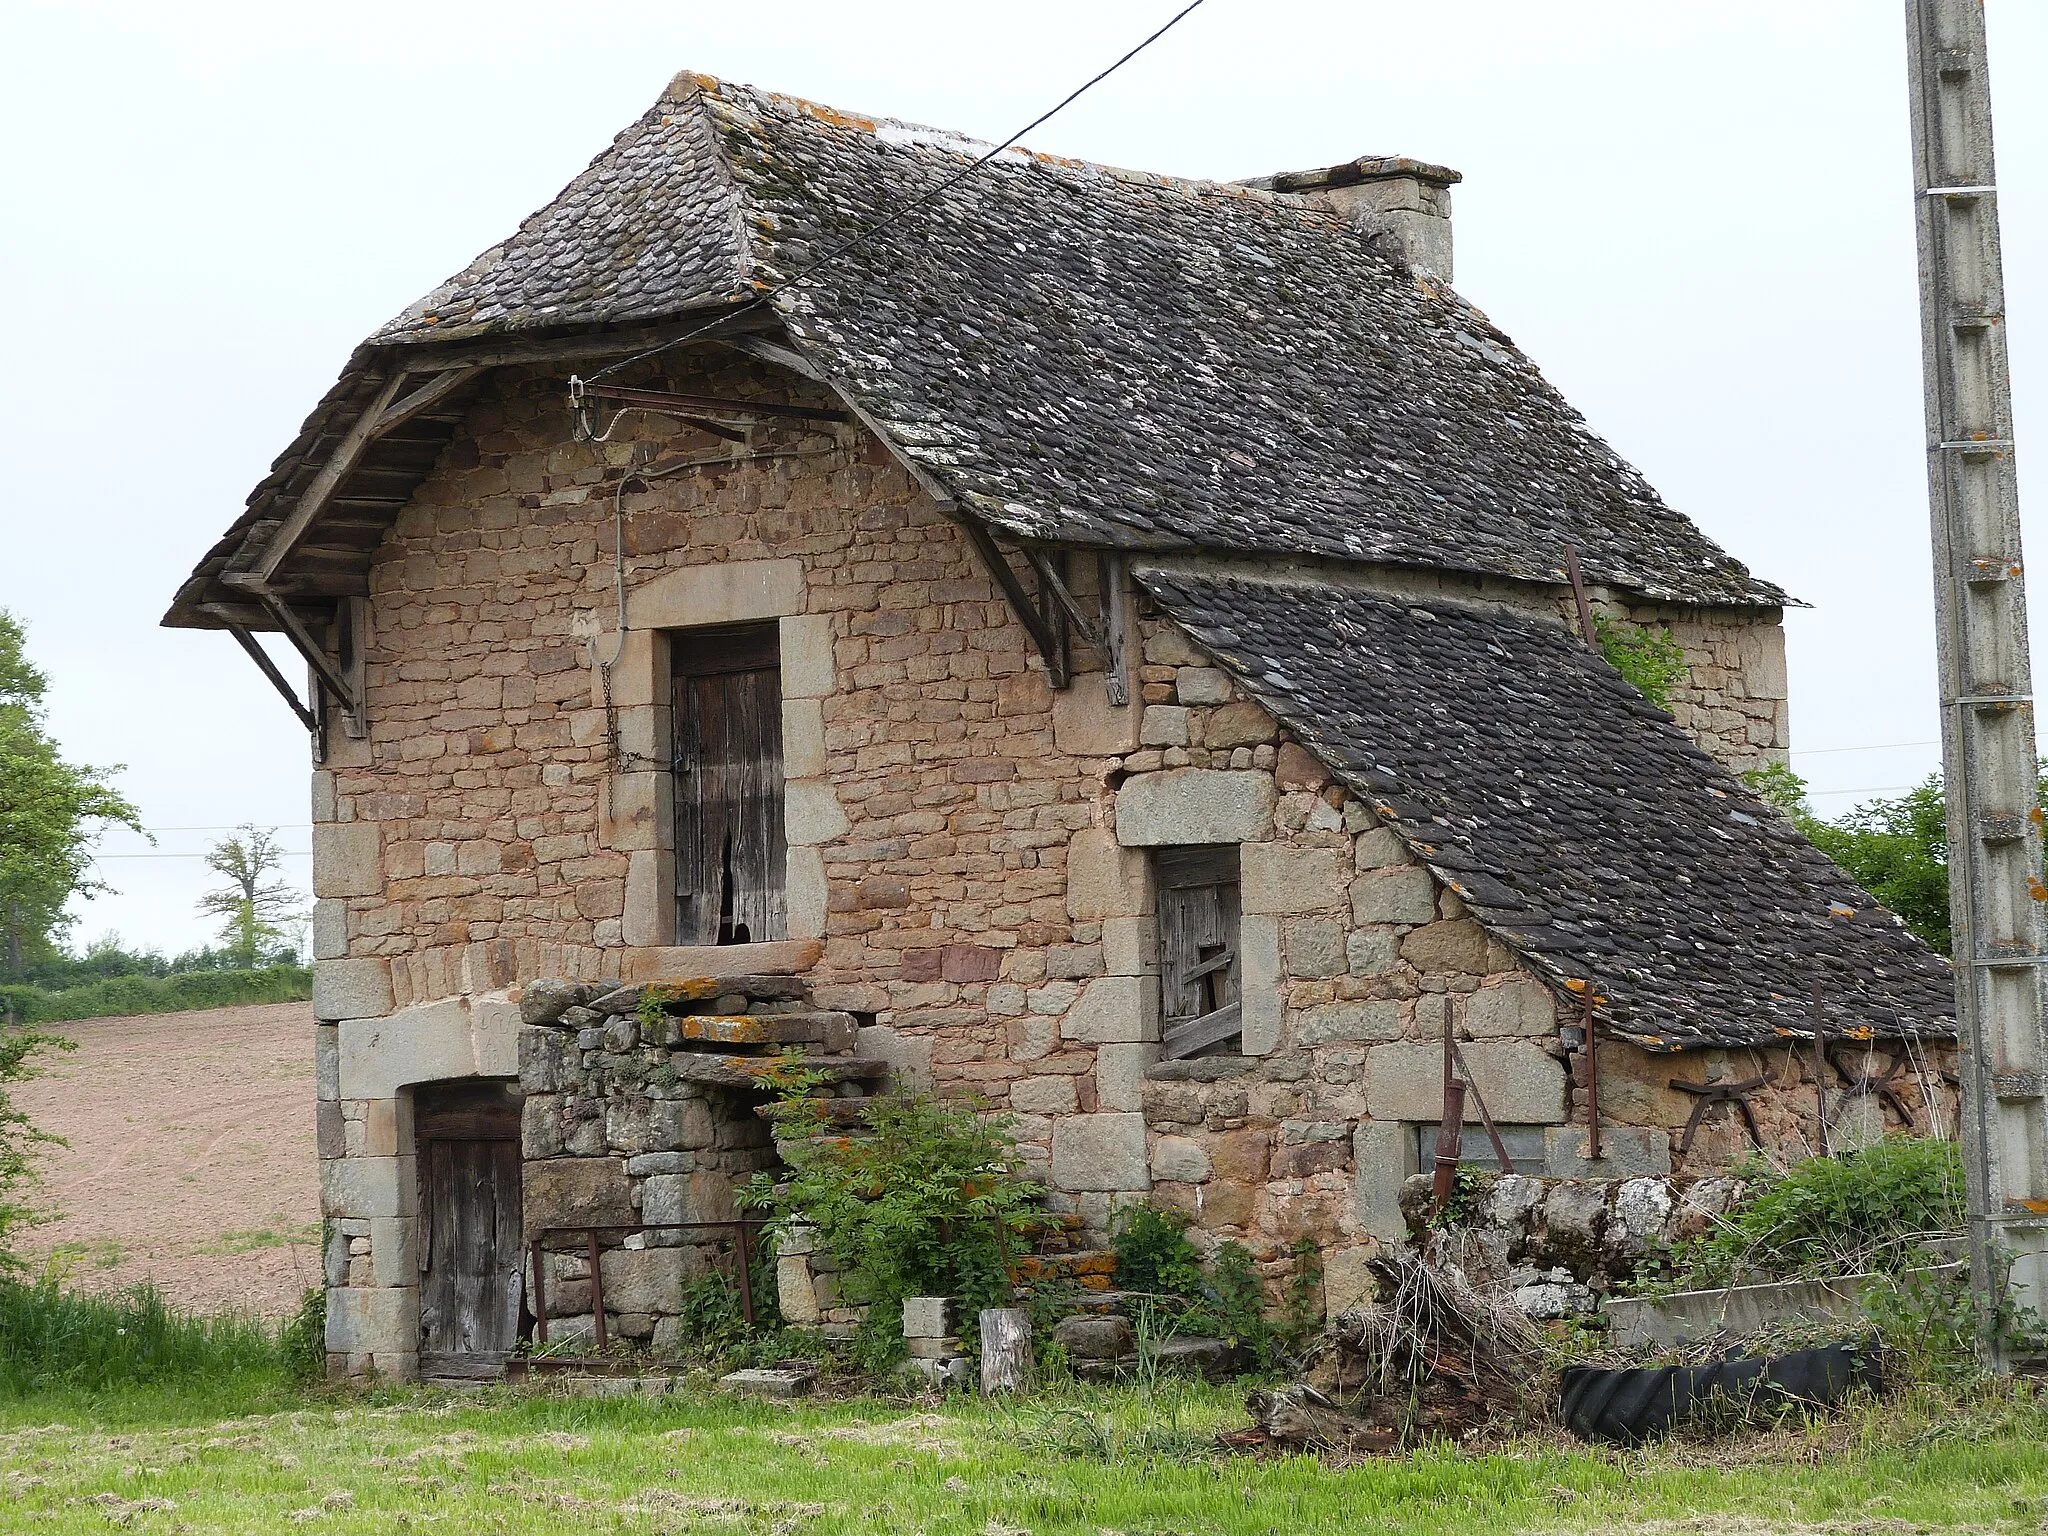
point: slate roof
(1073, 352)
(1578, 823)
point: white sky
(1697, 219)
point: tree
(1896, 849)
(255, 909)
(19, 1045)
(51, 812)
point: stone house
(1098, 642)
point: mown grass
(156, 1459)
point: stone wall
(965, 872)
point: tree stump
(1005, 1350)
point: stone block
(1298, 768)
(1201, 685)
(322, 799)
(1379, 848)
(1165, 725)
(1447, 948)
(1314, 948)
(329, 1139)
(1180, 1160)
(576, 1192)
(644, 916)
(1105, 879)
(925, 1317)
(1102, 1152)
(1120, 1075)
(1347, 1279)
(811, 813)
(1113, 1010)
(326, 1061)
(1086, 724)
(1275, 877)
(430, 1043)
(1242, 724)
(1370, 951)
(909, 1056)
(685, 1197)
(543, 1060)
(394, 1250)
(1130, 946)
(794, 1291)
(1052, 1094)
(368, 1187)
(540, 1126)
(330, 929)
(1096, 1336)
(382, 1319)
(494, 1036)
(1384, 1157)
(770, 1383)
(1521, 1084)
(1401, 895)
(805, 893)
(1194, 805)
(1329, 1023)
(351, 989)
(1626, 1151)
(348, 859)
(648, 1279)
(803, 739)
(1519, 1007)
(727, 592)
(1261, 1009)
(545, 1001)
(807, 670)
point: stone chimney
(1403, 204)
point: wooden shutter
(730, 847)
(1198, 942)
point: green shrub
(1153, 1254)
(1652, 659)
(51, 1338)
(302, 1341)
(1833, 1215)
(932, 1203)
(120, 995)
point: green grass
(54, 1340)
(280, 1234)
(159, 1459)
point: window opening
(731, 849)
(1198, 949)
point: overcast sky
(1697, 219)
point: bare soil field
(191, 1156)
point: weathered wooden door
(731, 847)
(472, 1272)
(1198, 942)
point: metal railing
(594, 1251)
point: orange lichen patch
(729, 1028)
(2036, 889)
(1859, 1032)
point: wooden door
(731, 847)
(472, 1270)
(1198, 941)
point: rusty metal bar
(1500, 1151)
(596, 1294)
(540, 1292)
(1571, 565)
(1448, 1137)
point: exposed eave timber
(346, 453)
(262, 659)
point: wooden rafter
(1020, 601)
(268, 667)
(347, 453)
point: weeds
(51, 1339)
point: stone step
(833, 1031)
(761, 1073)
(675, 994)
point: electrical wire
(893, 216)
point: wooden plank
(1112, 575)
(731, 844)
(1021, 603)
(1184, 1040)
(427, 395)
(303, 642)
(262, 659)
(1050, 580)
(361, 433)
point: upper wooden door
(731, 848)
(1198, 943)
(472, 1281)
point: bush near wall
(119, 995)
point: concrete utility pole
(1987, 709)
